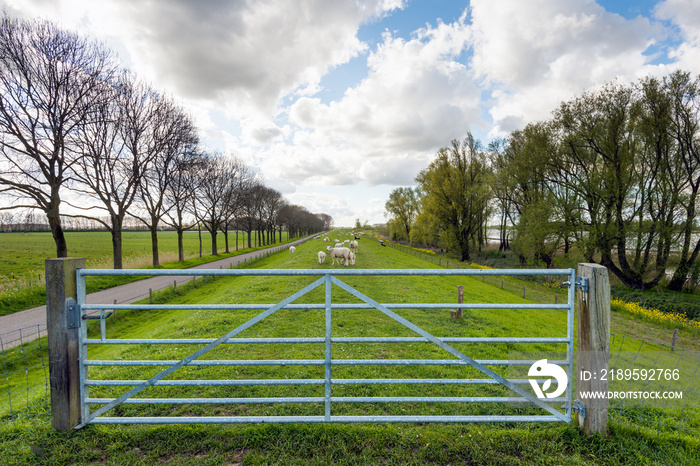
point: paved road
(30, 324)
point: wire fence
(654, 386)
(24, 362)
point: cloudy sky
(337, 102)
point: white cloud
(246, 54)
(416, 97)
(537, 54)
(685, 14)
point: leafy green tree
(529, 173)
(455, 191)
(683, 93)
(403, 207)
(612, 166)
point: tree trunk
(226, 239)
(117, 242)
(214, 250)
(199, 230)
(180, 245)
(154, 242)
(57, 231)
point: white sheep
(340, 254)
(351, 257)
(326, 239)
(354, 245)
(321, 257)
(292, 249)
(339, 245)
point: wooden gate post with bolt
(593, 346)
(63, 341)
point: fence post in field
(63, 341)
(593, 346)
(460, 300)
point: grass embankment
(22, 263)
(32, 441)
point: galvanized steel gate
(327, 279)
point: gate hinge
(581, 283)
(580, 407)
(72, 313)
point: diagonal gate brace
(500, 379)
(201, 351)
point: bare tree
(117, 149)
(179, 194)
(248, 219)
(270, 203)
(212, 203)
(174, 132)
(49, 81)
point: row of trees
(615, 174)
(28, 220)
(75, 129)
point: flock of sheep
(339, 252)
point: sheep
(326, 239)
(339, 253)
(339, 245)
(321, 257)
(354, 245)
(292, 249)
(351, 257)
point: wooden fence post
(593, 347)
(63, 340)
(460, 300)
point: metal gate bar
(328, 279)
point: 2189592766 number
(640, 374)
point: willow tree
(403, 206)
(683, 94)
(456, 191)
(529, 173)
(616, 160)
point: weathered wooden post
(458, 313)
(593, 346)
(63, 341)
(673, 339)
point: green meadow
(29, 439)
(23, 255)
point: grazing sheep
(321, 257)
(351, 257)
(292, 249)
(339, 245)
(339, 253)
(354, 245)
(326, 239)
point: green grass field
(23, 256)
(30, 440)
